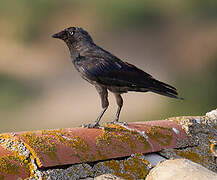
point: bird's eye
(71, 32)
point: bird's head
(73, 34)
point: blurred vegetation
(205, 9)
(14, 93)
(199, 91)
(25, 21)
(129, 14)
(29, 16)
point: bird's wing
(111, 71)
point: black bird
(107, 72)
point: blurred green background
(175, 41)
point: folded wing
(111, 71)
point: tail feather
(164, 89)
(165, 93)
(159, 88)
(167, 85)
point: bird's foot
(116, 122)
(112, 122)
(96, 125)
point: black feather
(110, 71)
(107, 72)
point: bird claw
(90, 125)
(123, 123)
(116, 122)
(112, 122)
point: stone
(108, 177)
(180, 169)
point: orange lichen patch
(135, 167)
(193, 155)
(5, 136)
(213, 148)
(202, 134)
(114, 165)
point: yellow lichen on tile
(47, 141)
(79, 146)
(7, 166)
(5, 136)
(40, 144)
(162, 135)
(114, 132)
(155, 133)
(68, 139)
(2, 177)
(100, 153)
(31, 168)
(21, 159)
(143, 140)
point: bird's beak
(60, 35)
(57, 35)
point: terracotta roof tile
(26, 154)
(76, 145)
(50, 148)
(11, 166)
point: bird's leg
(117, 114)
(96, 124)
(103, 93)
(119, 101)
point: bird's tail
(164, 89)
(159, 88)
